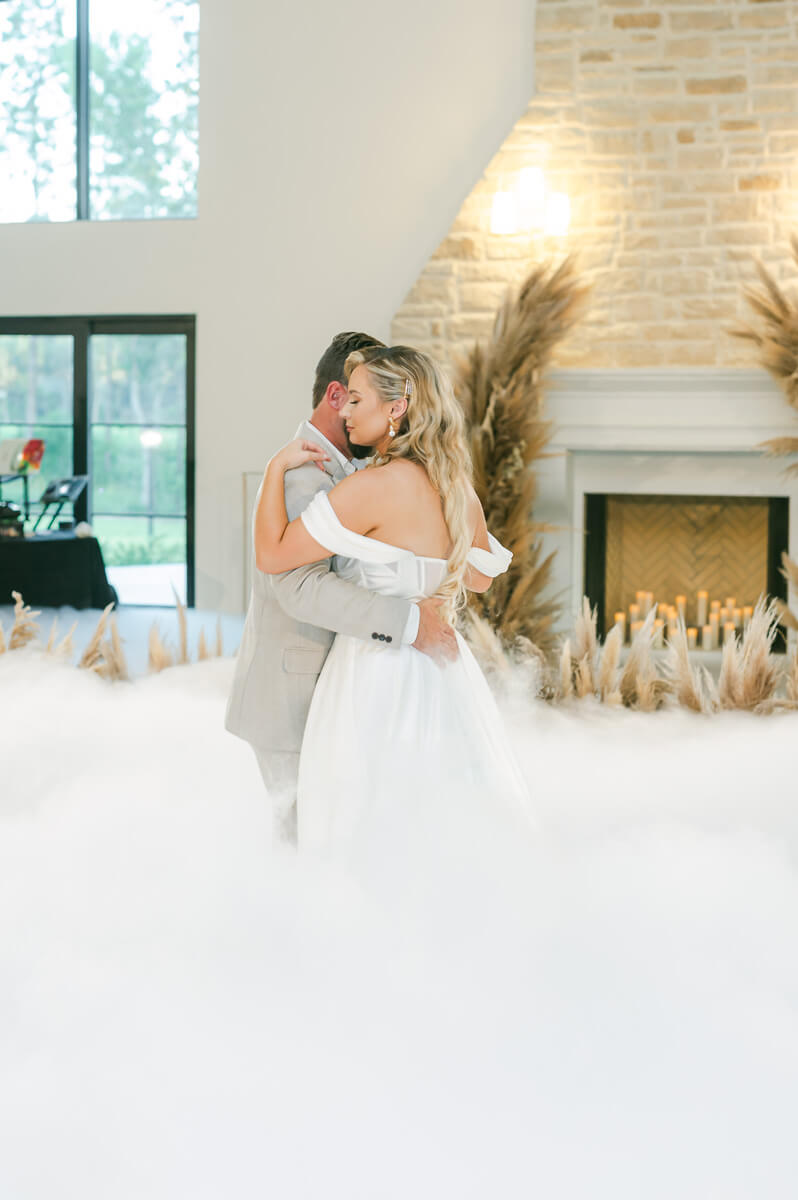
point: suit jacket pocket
(304, 660)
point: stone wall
(673, 126)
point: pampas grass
(92, 657)
(500, 388)
(792, 678)
(692, 687)
(66, 647)
(750, 673)
(640, 685)
(566, 681)
(485, 644)
(160, 657)
(608, 688)
(776, 339)
(24, 628)
(103, 653)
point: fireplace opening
(708, 557)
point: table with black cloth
(51, 569)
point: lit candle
(707, 638)
(737, 617)
(635, 627)
(620, 621)
(748, 612)
(728, 631)
(725, 614)
(714, 625)
(692, 637)
(701, 608)
(649, 602)
(731, 602)
(634, 613)
(659, 632)
(673, 620)
(714, 606)
(681, 607)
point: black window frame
(82, 114)
(81, 329)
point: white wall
(337, 142)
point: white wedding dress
(395, 742)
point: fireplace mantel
(703, 410)
(655, 431)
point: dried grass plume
(500, 388)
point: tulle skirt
(400, 752)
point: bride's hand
(299, 452)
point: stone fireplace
(654, 483)
(672, 127)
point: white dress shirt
(310, 433)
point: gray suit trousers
(279, 770)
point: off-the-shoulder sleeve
(491, 562)
(321, 522)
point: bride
(390, 732)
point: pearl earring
(391, 429)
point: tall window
(98, 109)
(113, 398)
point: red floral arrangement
(30, 457)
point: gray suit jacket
(289, 629)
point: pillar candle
(731, 602)
(634, 613)
(620, 621)
(648, 602)
(692, 637)
(681, 607)
(659, 632)
(728, 631)
(714, 625)
(707, 638)
(640, 600)
(714, 606)
(748, 612)
(635, 627)
(725, 615)
(737, 617)
(701, 608)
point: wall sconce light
(504, 213)
(530, 207)
(531, 198)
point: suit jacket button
(389, 638)
(375, 635)
(382, 637)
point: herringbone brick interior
(672, 545)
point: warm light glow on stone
(504, 213)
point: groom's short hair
(330, 367)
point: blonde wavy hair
(431, 433)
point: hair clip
(407, 389)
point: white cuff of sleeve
(411, 628)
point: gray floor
(134, 623)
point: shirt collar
(312, 434)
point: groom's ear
(336, 395)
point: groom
(293, 617)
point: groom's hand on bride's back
(435, 636)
